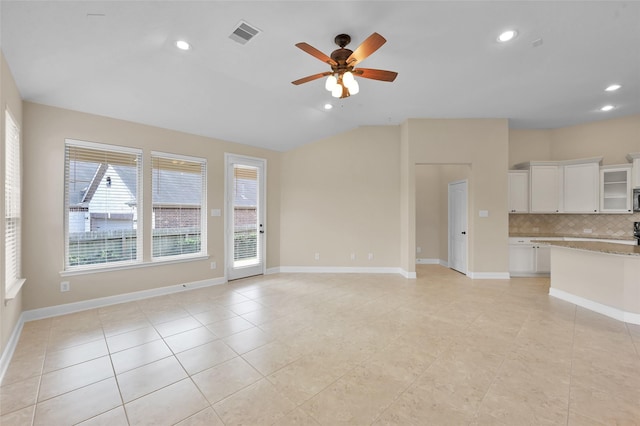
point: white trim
(408, 275)
(118, 266)
(102, 146)
(421, 261)
(68, 308)
(7, 354)
(14, 289)
(340, 270)
(620, 315)
(488, 275)
(261, 164)
(53, 311)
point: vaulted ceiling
(118, 59)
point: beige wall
(340, 196)
(10, 310)
(611, 139)
(44, 138)
(482, 143)
(432, 212)
(529, 145)
(428, 212)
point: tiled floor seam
(573, 341)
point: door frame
(261, 163)
(450, 216)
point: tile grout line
(573, 343)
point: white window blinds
(245, 215)
(12, 207)
(102, 204)
(179, 209)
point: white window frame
(203, 209)
(12, 208)
(139, 200)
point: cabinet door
(519, 191)
(581, 188)
(636, 173)
(615, 190)
(543, 259)
(545, 189)
(521, 258)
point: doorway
(245, 216)
(458, 226)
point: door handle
(464, 232)
(261, 230)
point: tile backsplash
(618, 226)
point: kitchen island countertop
(597, 246)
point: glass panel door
(245, 217)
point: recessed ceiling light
(183, 45)
(507, 36)
(607, 108)
(613, 87)
(328, 106)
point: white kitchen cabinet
(615, 189)
(581, 187)
(634, 158)
(528, 258)
(518, 191)
(544, 188)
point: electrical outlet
(213, 265)
(587, 231)
(370, 256)
(65, 286)
(317, 256)
(418, 249)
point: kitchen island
(602, 277)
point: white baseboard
(615, 313)
(488, 275)
(69, 308)
(423, 261)
(339, 270)
(7, 354)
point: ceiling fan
(340, 80)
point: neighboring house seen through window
(102, 205)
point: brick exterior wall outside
(176, 218)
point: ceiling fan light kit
(341, 80)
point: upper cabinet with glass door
(615, 190)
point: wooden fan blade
(311, 78)
(366, 48)
(316, 53)
(382, 75)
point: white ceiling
(124, 64)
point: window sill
(13, 291)
(155, 262)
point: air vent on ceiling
(244, 32)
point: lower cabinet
(527, 258)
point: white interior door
(245, 216)
(458, 226)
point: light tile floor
(330, 349)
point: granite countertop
(609, 248)
(592, 236)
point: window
(12, 208)
(102, 205)
(179, 210)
